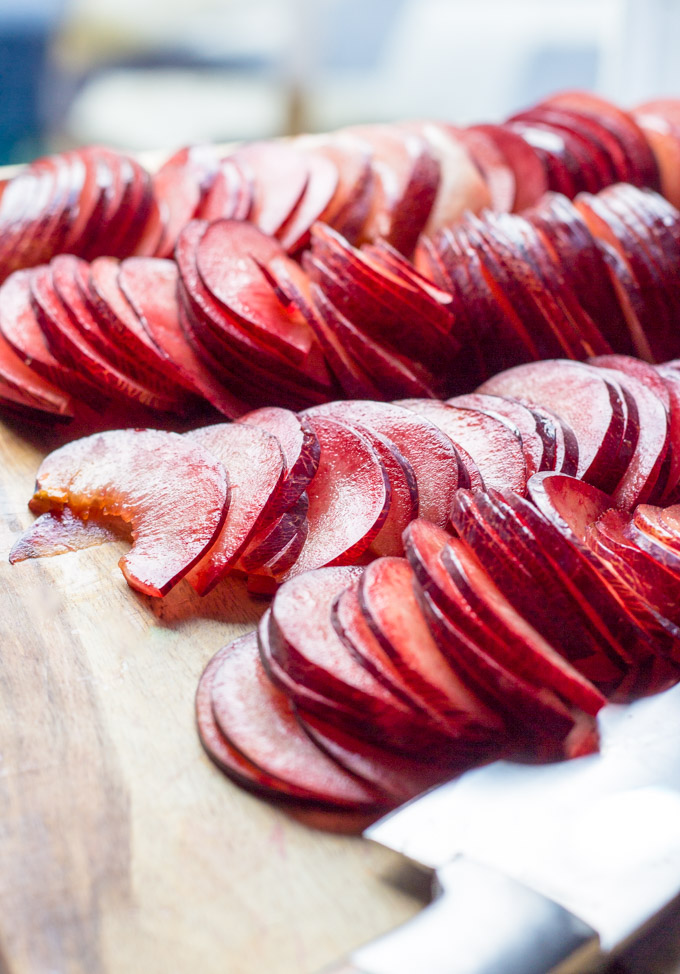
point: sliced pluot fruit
(534, 714)
(60, 531)
(351, 203)
(230, 197)
(527, 653)
(531, 428)
(305, 645)
(531, 181)
(491, 163)
(17, 375)
(663, 136)
(517, 561)
(407, 174)
(432, 456)
(279, 174)
(71, 347)
(298, 442)
(587, 401)
(559, 440)
(643, 168)
(228, 257)
(571, 504)
(399, 776)
(266, 545)
(495, 446)
(322, 183)
(257, 720)
(22, 331)
(172, 492)
(181, 183)
(647, 470)
(461, 186)
(670, 377)
(662, 523)
(636, 530)
(251, 752)
(644, 645)
(387, 599)
(349, 497)
(150, 285)
(255, 466)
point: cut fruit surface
(172, 492)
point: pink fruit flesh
(60, 531)
(173, 493)
(258, 721)
(348, 498)
(255, 467)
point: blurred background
(157, 74)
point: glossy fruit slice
(172, 492)
(60, 531)
(255, 466)
(257, 720)
(349, 497)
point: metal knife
(541, 868)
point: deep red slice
(266, 547)
(430, 453)
(495, 446)
(529, 426)
(349, 497)
(323, 179)
(181, 184)
(255, 467)
(299, 444)
(150, 285)
(582, 396)
(531, 181)
(258, 721)
(387, 598)
(173, 493)
(304, 644)
(279, 175)
(228, 257)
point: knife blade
(541, 868)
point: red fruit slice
(262, 730)
(560, 440)
(71, 347)
(279, 175)
(534, 714)
(299, 444)
(21, 329)
(570, 504)
(647, 471)
(388, 601)
(60, 531)
(527, 423)
(257, 720)
(267, 545)
(497, 174)
(461, 186)
(663, 136)
(181, 183)
(18, 376)
(173, 493)
(230, 196)
(318, 196)
(349, 497)
(227, 257)
(430, 453)
(399, 776)
(527, 653)
(587, 401)
(255, 467)
(407, 174)
(150, 285)
(531, 181)
(352, 199)
(495, 447)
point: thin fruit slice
(173, 493)
(255, 466)
(258, 721)
(60, 531)
(349, 497)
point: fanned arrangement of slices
(453, 365)
(453, 580)
(389, 261)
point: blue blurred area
(25, 36)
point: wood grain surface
(122, 849)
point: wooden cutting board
(122, 849)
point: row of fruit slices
(387, 181)
(370, 677)
(234, 322)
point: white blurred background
(145, 74)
